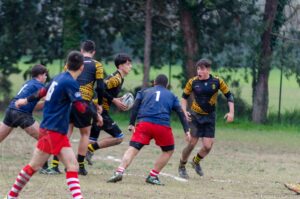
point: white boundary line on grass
(163, 174)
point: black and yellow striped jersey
(93, 71)
(205, 93)
(113, 85)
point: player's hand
(99, 109)
(187, 136)
(188, 116)
(99, 120)
(131, 128)
(229, 117)
(119, 104)
(21, 102)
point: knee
(119, 141)
(169, 153)
(207, 147)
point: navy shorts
(203, 125)
(14, 118)
(81, 120)
(109, 126)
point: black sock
(95, 146)
(80, 159)
(182, 163)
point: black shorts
(203, 125)
(81, 120)
(109, 126)
(14, 118)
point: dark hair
(121, 58)
(161, 80)
(88, 46)
(74, 60)
(38, 69)
(203, 62)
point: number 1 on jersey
(157, 96)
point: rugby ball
(128, 100)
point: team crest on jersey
(77, 94)
(213, 86)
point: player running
(152, 108)
(113, 86)
(202, 117)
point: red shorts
(145, 131)
(52, 142)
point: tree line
(254, 35)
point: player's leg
(83, 148)
(164, 138)
(207, 130)
(186, 152)
(4, 131)
(54, 166)
(38, 159)
(128, 156)
(10, 121)
(111, 128)
(160, 163)
(33, 130)
(68, 158)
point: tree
(273, 10)
(148, 41)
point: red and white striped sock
(120, 170)
(154, 173)
(73, 184)
(23, 177)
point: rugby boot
(182, 172)
(293, 187)
(88, 157)
(153, 180)
(116, 177)
(52, 171)
(82, 171)
(197, 168)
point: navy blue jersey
(156, 105)
(62, 91)
(28, 88)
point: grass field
(290, 95)
(246, 162)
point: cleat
(153, 180)
(197, 168)
(8, 197)
(182, 172)
(88, 157)
(82, 171)
(43, 171)
(293, 187)
(116, 177)
(52, 171)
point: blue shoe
(197, 168)
(182, 172)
